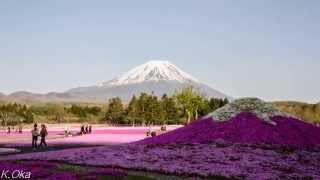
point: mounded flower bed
(263, 110)
(251, 121)
(244, 128)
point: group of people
(43, 133)
(85, 129)
(19, 129)
(154, 133)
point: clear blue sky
(269, 49)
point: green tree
(153, 109)
(148, 109)
(216, 103)
(142, 107)
(115, 112)
(78, 110)
(133, 111)
(4, 116)
(12, 114)
(205, 107)
(170, 111)
(189, 101)
(28, 117)
(93, 110)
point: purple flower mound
(244, 128)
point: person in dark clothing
(82, 129)
(9, 130)
(35, 134)
(90, 129)
(43, 135)
(87, 129)
(20, 129)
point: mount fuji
(158, 77)
(153, 71)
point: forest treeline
(180, 108)
(308, 112)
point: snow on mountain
(158, 77)
(153, 71)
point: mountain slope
(158, 77)
(128, 90)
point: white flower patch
(261, 109)
(8, 151)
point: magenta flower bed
(53, 170)
(244, 128)
(219, 158)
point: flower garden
(247, 139)
(100, 136)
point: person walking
(87, 130)
(149, 131)
(90, 129)
(20, 129)
(35, 134)
(43, 135)
(82, 130)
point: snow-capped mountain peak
(155, 70)
(157, 77)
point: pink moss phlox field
(244, 128)
(97, 137)
(215, 158)
(51, 171)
